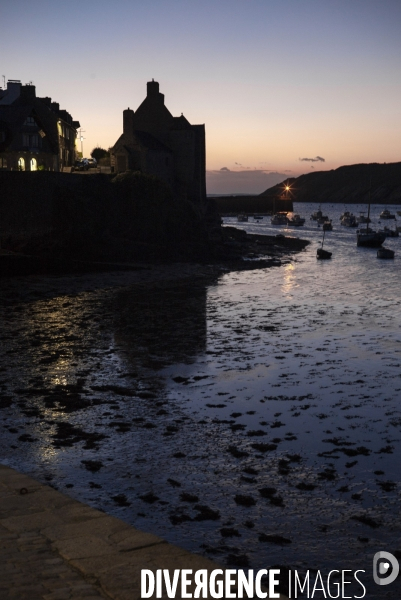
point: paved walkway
(55, 548)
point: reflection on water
(162, 325)
(289, 278)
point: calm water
(194, 399)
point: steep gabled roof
(148, 141)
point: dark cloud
(316, 159)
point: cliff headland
(349, 184)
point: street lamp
(81, 138)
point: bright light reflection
(289, 278)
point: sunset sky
(274, 81)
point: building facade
(156, 143)
(34, 133)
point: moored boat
(348, 220)
(385, 253)
(323, 254)
(370, 238)
(327, 226)
(390, 232)
(242, 218)
(367, 237)
(386, 214)
(279, 218)
(363, 219)
(295, 220)
(316, 215)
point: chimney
(153, 91)
(55, 106)
(12, 93)
(28, 92)
(128, 122)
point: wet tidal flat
(252, 417)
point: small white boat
(363, 219)
(327, 226)
(279, 218)
(348, 220)
(316, 215)
(295, 220)
(242, 218)
(385, 253)
(386, 214)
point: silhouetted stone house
(155, 142)
(34, 132)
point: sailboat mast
(367, 222)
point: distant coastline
(349, 184)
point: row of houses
(35, 134)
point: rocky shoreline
(235, 250)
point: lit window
(21, 164)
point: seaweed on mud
(236, 452)
(5, 401)
(387, 486)
(68, 435)
(250, 471)
(173, 482)
(366, 520)
(177, 519)
(120, 426)
(256, 433)
(229, 532)
(149, 498)
(92, 465)
(243, 500)
(237, 427)
(116, 389)
(238, 560)
(305, 487)
(267, 492)
(187, 497)
(121, 500)
(205, 513)
(328, 474)
(274, 539)
(26, 437)
(260, 447)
